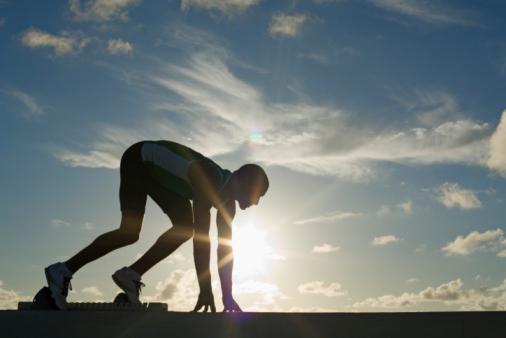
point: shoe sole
(131, 298)
(54, 296)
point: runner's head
(252, 184)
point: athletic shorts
(136, 184)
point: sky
(380, 124)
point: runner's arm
(224, 219)
(202, 181)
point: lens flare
(256, 135)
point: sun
(252, 253)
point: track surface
(177, 324)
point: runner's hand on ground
(206, 301)
(230, 305)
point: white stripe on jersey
(166, 159)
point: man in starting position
(172, 175)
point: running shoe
(130, 282)
(58, 278)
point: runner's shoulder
(204, 176)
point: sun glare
(252, 252)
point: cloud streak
(329, 217)
(384, 240)
(314, 139)
(325, 248)
(426, 11)
(226, 7)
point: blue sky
(378, 122)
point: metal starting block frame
(90, 306)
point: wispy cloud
(450, 293)
(429, 11)
(31, 106)
(314, 139)
(384, 240)
(58, 223)
(325, 248)
(287, 25)
(65, 43)
(101, 10)
(118, 46)
(319, 288)
(226, 7)
(329, 217)
(474, 241)
(452, 195)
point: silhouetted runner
(172, 175)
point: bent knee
(185, 233)
(127, 238)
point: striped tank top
(168, 163)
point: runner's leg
(181, 215)
(132, 196)
(126, 234)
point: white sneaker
(130, 282)
(58, 278)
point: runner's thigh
(179, 209)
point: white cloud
(474, 241)
(9, 298)
(32, 107)
(325, 248)
(384, 240)
(92, 159)
(58, 223)
(383, 210)
(450, 293)
(101, 10)
(497, 156)
(269, 294)
(65, 43)
(412, 280)
(312, 309)
(179, 290)
(118, 46)
(88, 226)
(286, 25)
(329, 217)
(407, 207)
(319, 288)
(314, 139)
(93, 291)
(226, 7)
(452, 195)
(427, 11)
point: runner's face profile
(248, 196)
